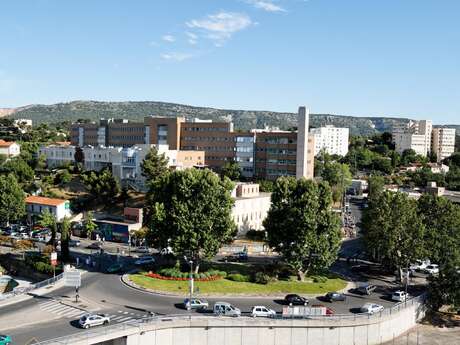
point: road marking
(125, 319)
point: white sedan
(371, 308)
(261, 311)
(144, 260)
(399, 296)
(432, 269)
(90, 320)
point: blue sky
(354, 57)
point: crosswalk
(66, 311)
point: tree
(102, 185)
(12, 204)
(20, 169)
(89, 226)
(190, 211)
(154, 166)
(376, 187)
(63, 177)
(22, 246)
(65, 238)
(48, 220)
(393, 231)
(339, 177)
(231, 170)
(302, 226)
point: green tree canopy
(19, 168)
(48, 220)
(231, 170)
(12, 204)
(302, 226)
(65, 228)
(190, 211)
(89, 224)
(338, 176)
(154, 166)
(102, 184)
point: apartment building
(421, 137)
(443, 142)
(332, 140)
(263, 154)
(124, 162)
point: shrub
(223, 274)
(203, 276)
(236, 277)
(261, 278)
(319, 279)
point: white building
(443, 142)
(9, 148)
(415, 135)
(23, 124)
(125, 162)
(332, 139)
(36, 205)
(250, 208)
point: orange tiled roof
(4, 143)
(44, 201)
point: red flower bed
(158, 276)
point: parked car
(144, 260)
(226, 309)
(296, 299)
(144, 250)
(195, 303)
(419, 265)
(261, 311)
(399, 296)
(334, 296)
(5, 339)
(431, 269)
(95, 245)
(114, 268)
(74, 243)
(91, 320)
(367, 289)
(371, 308)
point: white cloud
(221, 26)
(192, 38)
(266, 5)
(168, 38)
(176, 56)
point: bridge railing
(23, 290)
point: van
(366, 289)
(226, 309)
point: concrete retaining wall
(371, 330)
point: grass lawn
(228, 287)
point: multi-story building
(262, 154)
(415, 135)
(443, 142)
(332, 140)
(36, 205)
(124, 162)
(421, 137)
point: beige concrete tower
(302, 143)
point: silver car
(91, 320)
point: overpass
(358, 329)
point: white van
(226, 309)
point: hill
(242, 119)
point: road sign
(53, 259)
(72, 278)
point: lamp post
(190, 262)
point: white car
(91, 320)
(261, 311)
(432, 269)
(371, 308)
(144, 260)
(195, 304)
(419, 265)
(399, 296)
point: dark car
(335, 296)
(95, 245)
(366, 289)
(296, 299)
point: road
(55, 314)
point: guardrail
(137, 324)
(24, 290)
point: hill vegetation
(242, 119)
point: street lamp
(189, 306)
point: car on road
(262, 311)
(91, 320)
(366, 289)
(419, 265)
(294, 299)
(74, 243)
(431, 269)
(95, 245)
(144, 260)
(226, 309)
(114, 268)
(143, 250)
(335, 296)
(371, 308)
(195, 303)
(399, 296)
(5, 339)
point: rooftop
(40, 200)
(4, 143)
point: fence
(24, 290)
(133, 325)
